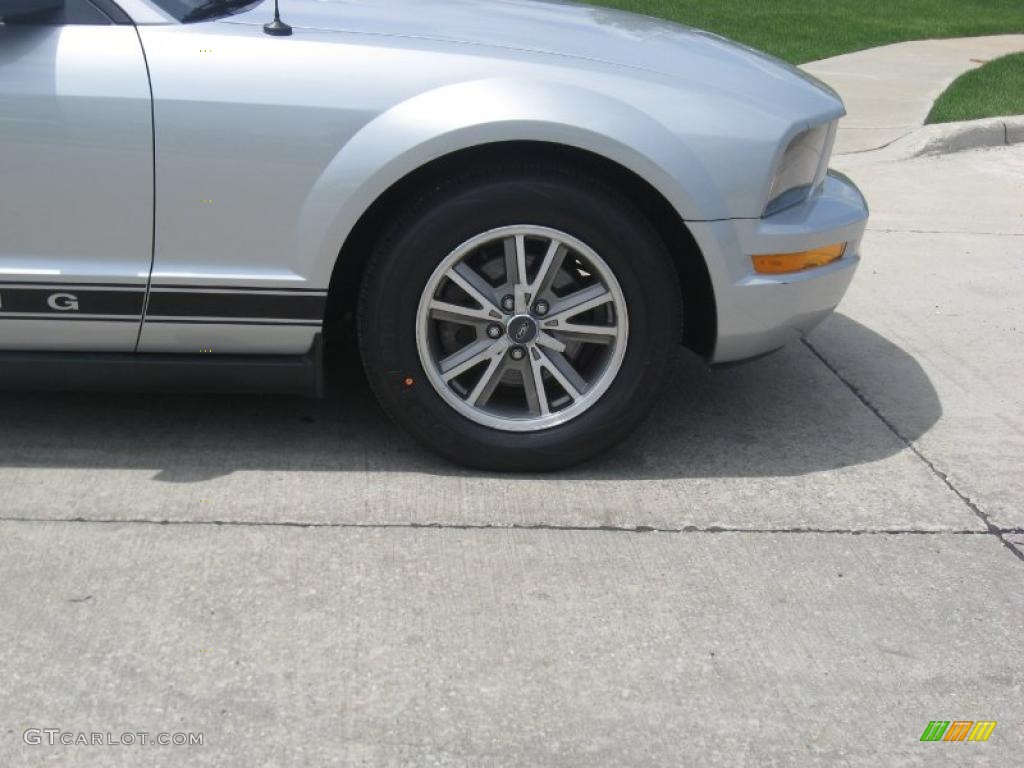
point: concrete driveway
(889, 91)
(801, 561)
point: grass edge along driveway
(994, 89)
(806, 30)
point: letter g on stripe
(63, 302)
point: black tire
(452, 213)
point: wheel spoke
(575, 304)
(521, 260)
(549, 341)
(533, 385)
(548, 270)
(456, 313)
(469, 356)
(489, 380)
(515, 270)
(470, 281)
(589, 334)
(515, 260)
(564, 373)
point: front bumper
(760, 313)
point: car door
(245, 128)
(76, 181)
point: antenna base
(277, 28)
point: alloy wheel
(522, 328)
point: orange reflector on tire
(781, 263)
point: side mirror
(27, 10)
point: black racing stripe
(226, 289)
(68, 302)
(209, 302)
(231, 321)
(70, 318)
(85, 286)
(236, 305)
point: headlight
(802, 168)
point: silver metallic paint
(76, 172)
(292, 139)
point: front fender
(454, 117)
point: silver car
(521, 207)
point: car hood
(554, 27)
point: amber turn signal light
(781, 263)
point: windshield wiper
(212, 8)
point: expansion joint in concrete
(990, 527)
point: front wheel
(519, 321)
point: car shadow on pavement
(784, 415)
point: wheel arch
(699, 320)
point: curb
(947, 138)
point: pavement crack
(887, 231)
(990, 527)
(633, 529)
(880, 146)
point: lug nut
(517, 353)
(508, 303)
(494, 330)
(541, 308)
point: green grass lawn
(805, 30)
(997, 88)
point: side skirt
(165, 373)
